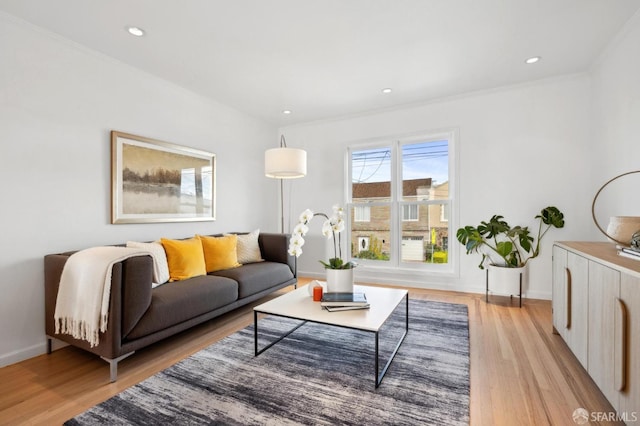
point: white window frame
(395, 266)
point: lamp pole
(284, 163)
(282, 206)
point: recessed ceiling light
(286, 111)
(387, 90)
(532, 60)
(138, 32)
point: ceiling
(328, 58)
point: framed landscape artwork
(154, 181)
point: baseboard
(22, 354)
(30, 352)
(430, 285)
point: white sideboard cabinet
(596, 310)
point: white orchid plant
(332, 225)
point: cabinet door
(578, 305)
(570, 296)
(628, 346)
(559, 291)
(604, 289)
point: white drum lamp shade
(285, 163)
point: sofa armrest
(109, 346)
(53, 265)
(137, 276)
(130, 297)
(274, 248)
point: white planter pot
(503, 280)
(339, 280)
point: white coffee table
(298, 304)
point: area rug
(317, 375)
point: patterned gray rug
(318, 375)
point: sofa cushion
(185, 258)
(248, 248)
(255, 277)
(219, 252)
(180, 301)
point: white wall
(58, 103)
(616, 125)
(563, 139)
(520, 149)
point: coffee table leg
(380, 376)
(406, 326)
(255, 334)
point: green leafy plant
(515, 246)
(367, 254)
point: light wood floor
(521, 373)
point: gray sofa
(140, 315)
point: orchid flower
(330, 227)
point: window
(444, 213)
(362, 214)
(363, 244)
(409, 212)
(405, 184)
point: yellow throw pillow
(219, 252)
(185, 258)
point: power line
(412, 153)
(375, 171)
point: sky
(419, 160)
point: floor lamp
(284, 163)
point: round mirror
(619, 215)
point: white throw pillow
(160, 265)
(248, 249)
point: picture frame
(154, 181)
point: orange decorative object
(317, 293)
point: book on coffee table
(346, 308)
(344, 299)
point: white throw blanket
(82, 307)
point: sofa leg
(113, 365)
(49, 345)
